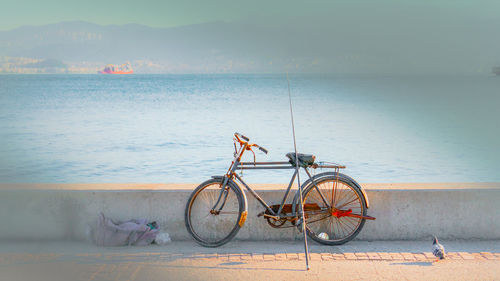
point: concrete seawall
(403, 211)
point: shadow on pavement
(232, 263)
(417, 263)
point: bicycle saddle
(304, 159)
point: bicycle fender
(340, 175)
(244, 214)
(360, 188)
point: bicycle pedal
(261, 214)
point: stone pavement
(185, 260)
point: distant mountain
(46, 63)
(340, 44)
(204, 46)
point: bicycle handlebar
(238, 135)
(262, 149)
(241, 136)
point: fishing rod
(297, 170)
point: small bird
(438, 249)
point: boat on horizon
(125, 68)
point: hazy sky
(165, 13)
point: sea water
(179, 128)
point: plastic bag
(132, 232)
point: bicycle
(334, 211)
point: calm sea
(178, 128)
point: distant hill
(209, 46)
(46, 63)
(338, 44)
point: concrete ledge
(403, 211)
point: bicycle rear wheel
(211, 225)
(330, 225)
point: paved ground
(358, 260)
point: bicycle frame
(267, 166)
(237, 165)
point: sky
(166, 13)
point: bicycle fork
(222, 195)
(227, 184)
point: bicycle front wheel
(337, 198)
(213, 214)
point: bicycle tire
(208, 229)
(326, 228)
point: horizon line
(113, 24)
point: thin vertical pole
(297, 168)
